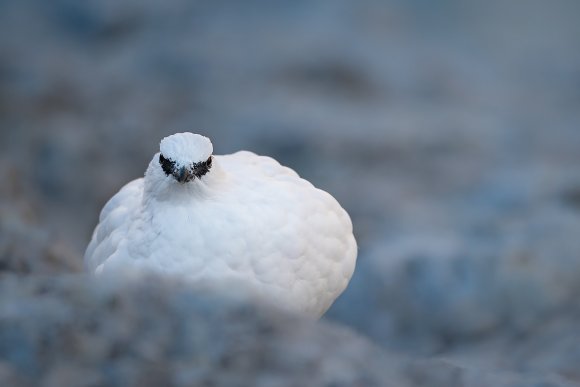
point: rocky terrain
(449, 131)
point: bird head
(185, 156)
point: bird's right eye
(166, 165)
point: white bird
(241, 222)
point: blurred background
(449, 130)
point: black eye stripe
(202, 168)
(199, 169)
(166, 164)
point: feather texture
(249, 224)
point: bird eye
(166, 165)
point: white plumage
(239, 222)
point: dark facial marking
(200, 169)
(167, 165)
(185, 174)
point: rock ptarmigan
(241, 222)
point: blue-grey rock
(72, 331)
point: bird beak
(183, 174)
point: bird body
(241, 222)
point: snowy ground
(449, 131)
